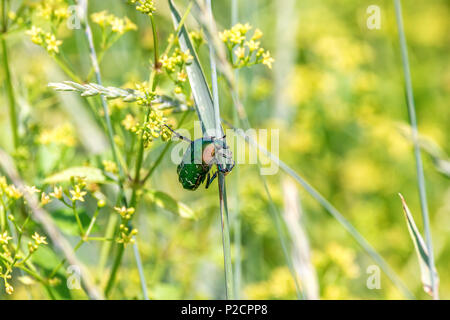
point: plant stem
(415, 135)
(66, 69)
(226, 238)
(115, 267)
(235, 187)
(77, 217)
(229, 279)
(11, 97)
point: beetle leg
(210, 179)
(179, 136)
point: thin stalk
(284, 246)
(229, 279)
(226, 239)
(417, 155)
(77, 217)
(235, 185)
(11, 97)
(66, 69)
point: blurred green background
(336, 92)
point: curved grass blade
(419, 166)
(208, 112)
(200, 90)
(421, 250)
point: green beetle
(199, 158)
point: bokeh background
(335, 92)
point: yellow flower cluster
(147, 94)
(62, 135)
(38, 240)
(126, 235)
(44, 39)
(4, 238)
(197, 38)
(129, 122)
(110, 166)
(247, 51)
(153, 128)
(117, 25)
(10, 191)
(176, 63)
(145, 6)
(53, 10)
(11, 258)
(177, 59)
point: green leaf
(202, 95)
(165, 201)
(421, 250)
(90, 173)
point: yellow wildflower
(44, 199)
(57, 192)
(38, 239)
(52, 43)
(101, 18)
(252, 45)
(267, 59)
(182, 76)
(32, 189)
(12, 192)
(124, 212)
(61, 135)
(257, 34)
(145, 6)
(240, 52)
(129, 122)
(9, 289)
(118, 25)
(110, 166)
(36, 35)
(77, 194)
(129, 25)
(4, 238)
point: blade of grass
(415, 134)
(209, 115)
(421, 250)
(229, 279)
(200, 89)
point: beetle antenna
(179, 136)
